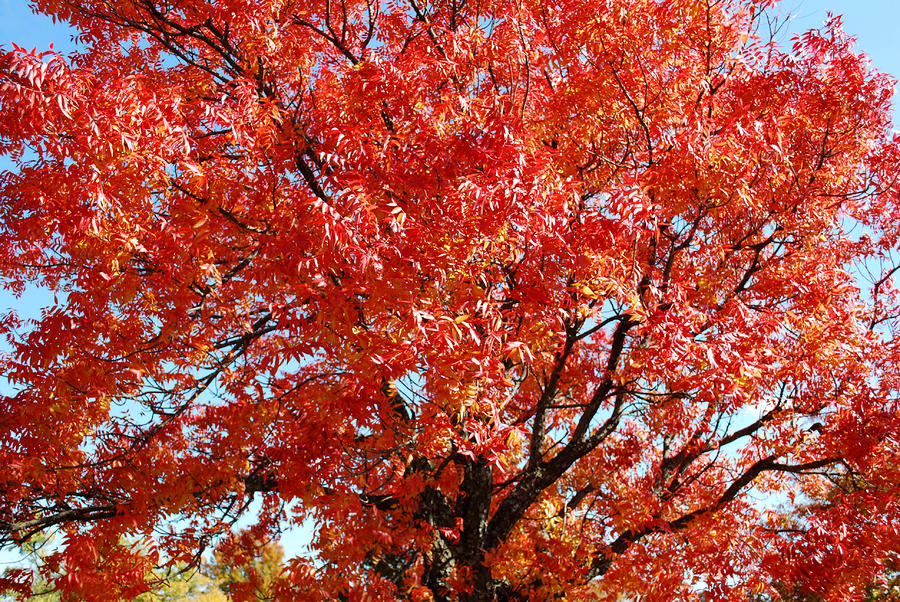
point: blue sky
(873, 22)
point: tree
(248, 570)
(811, 585)
(210, 582)
(512, 300)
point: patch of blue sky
(872, 22)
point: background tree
(185, 584)
(19, 582)
(247, 569)
(513, 299)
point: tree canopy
(511, 299)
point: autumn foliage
(510, 299)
